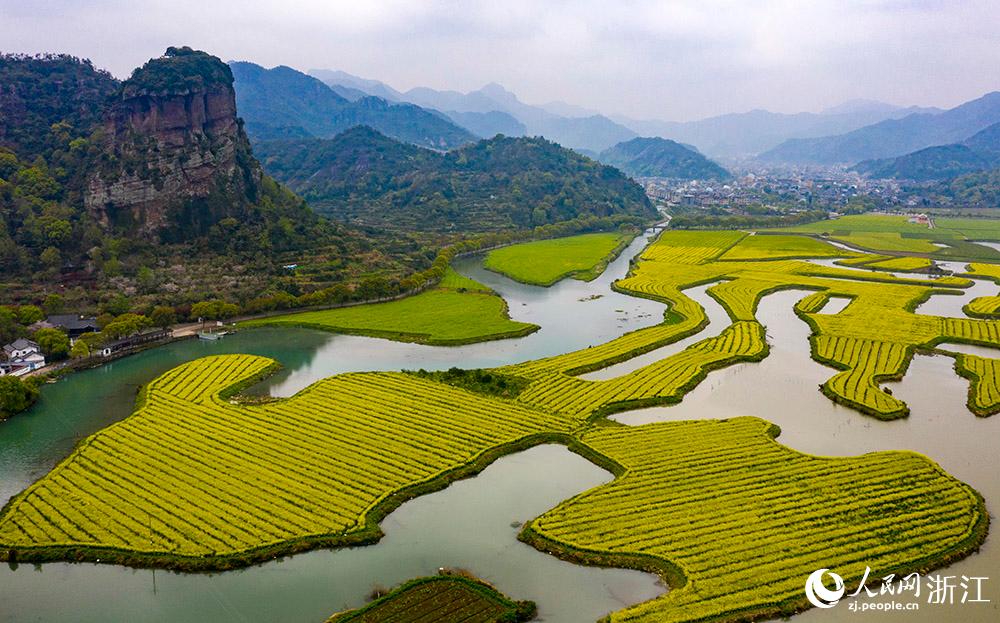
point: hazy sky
(668, 59)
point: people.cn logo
(818, 594)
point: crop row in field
(865, 363)
(189, 474)
(897, 234)
(544, 262)
(663, 381)
(984, 382)
(771, 247)
(902, 264)
(691, 247)
(440, 599)
(886, 241)
(736, 522)
(881, 313)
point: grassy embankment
(545, 262)
(457, 311)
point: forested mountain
(364, 177)
(979, 152)
(982, 188)
(660, 157)
(144, 188)
(285, 103)
(48, 101)
(892, 138)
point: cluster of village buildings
(829, 191)
(23, 355)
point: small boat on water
(211, 335)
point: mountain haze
(893, 137)
(979, 152)
(588, 132)
(284, 103)
(749, 133)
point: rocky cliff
(176, 159)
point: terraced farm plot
(880, 223)
(984, 382)
(661, 382)
(772, 247)
(544, 262)
(900, 264)
(886, 241)
(191, 480)
(440, 599)
(896, 233)
(691, 247)
(736, 522)
(458, 311)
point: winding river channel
(473, 523)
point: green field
(440, 599)
(458, 311)
(900, 264)
(544, 262)
(772, 247)
(877, 232)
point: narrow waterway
(784, 389)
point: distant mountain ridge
(894, 137)
(284, 103)
(660, 157)
(979, 152)
(363, 177)
(593, 132)
(749, 133)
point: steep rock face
(176, 158)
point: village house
(20, 357)
(73, 325)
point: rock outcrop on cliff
(176, 159)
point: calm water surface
(470, 524)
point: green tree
(16, 395)
(117, 305)
(10, 328)
(163, 316)
(214, 309)
(51, 258)
(29, 314)
(79, 350)
(146, 279)
(54, 304)
(53, 342)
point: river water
(472, 523)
